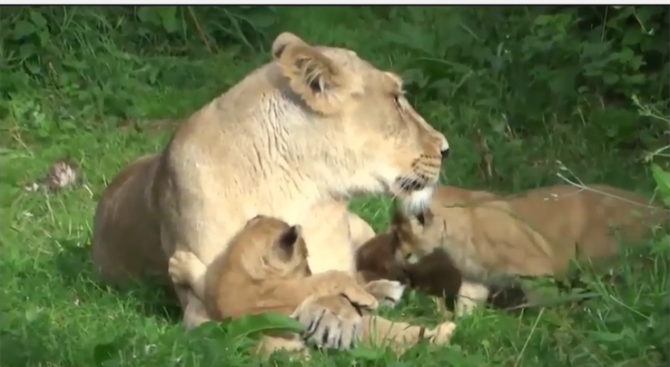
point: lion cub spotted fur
(266, 267)
(491, 238)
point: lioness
(296, 139)
(266, 264)
(535, 233)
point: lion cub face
(417, 235)
(375, 259)
(283, 249)
(373, 134)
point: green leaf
(610, 78)
(38, 19)
(606, 337)
(662, 179)
(22, 29)
(252, 325)
(544, 20)
(368, 354)
(168, 16)
(263, 20)
(210, 330)
(146, 15)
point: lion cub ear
(291, 243)
(288, 237)
(323, 84)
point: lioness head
(282, 249)
(417, 235)
(357, 128)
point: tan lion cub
(491, 239)
(265, 266)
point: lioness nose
(445, 153)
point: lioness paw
(330, 322)
(442, 333)
(388, 292)
(181, 266)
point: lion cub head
(359, 129)
(375, 259)
(282, 249)
(418, 235)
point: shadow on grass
(23, 350)
(76, 271)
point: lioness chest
(325, 230)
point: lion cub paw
(388, 292)
(442, 333)
(182, 266)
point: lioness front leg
(380, 332)
(186, 269)
(342, 323)
(332, 311)
(470, 296)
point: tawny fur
(296, 138)
(535, 233)
(266, 262)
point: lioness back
(126, 236)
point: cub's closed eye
(407, 256)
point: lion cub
(491, 239)
(266, 263)
(434, 274)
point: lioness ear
(322, 84)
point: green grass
(54, 313)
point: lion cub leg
(380, 332)
(186, 269)
(470, 296)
